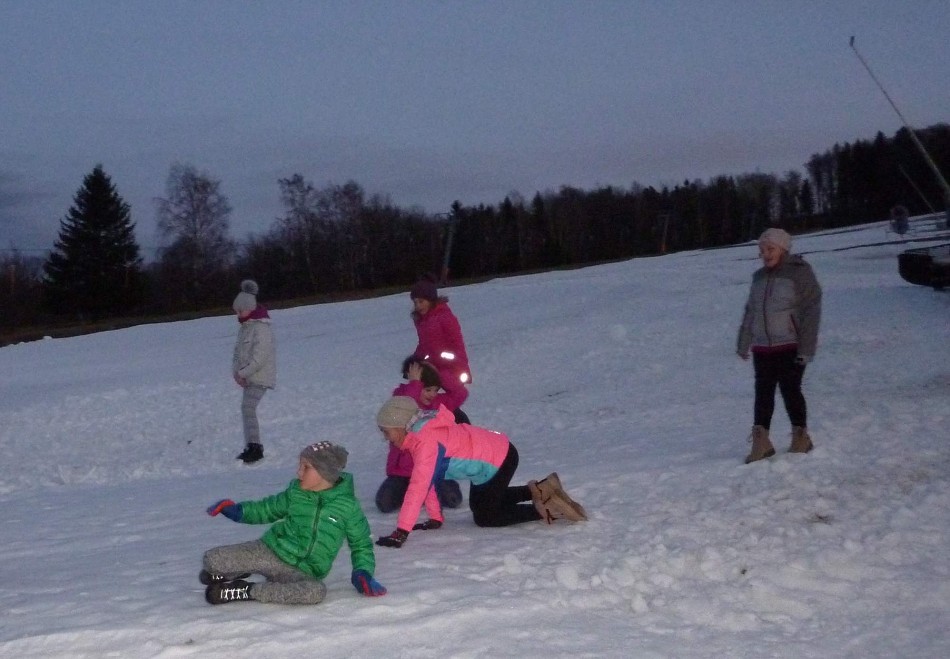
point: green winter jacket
(309, 527)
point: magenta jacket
(399, 463)
(440, 449)
(441, 343)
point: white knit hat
(396, 412)
(777, 237)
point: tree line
(337, 240)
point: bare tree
(342, 207)
(194, 227)
(303, 230)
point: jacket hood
(441, 418)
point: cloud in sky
(429, 102)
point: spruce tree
(94, 269)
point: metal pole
(666, 223)
(913, 135)
(448, 252)
(914, 185)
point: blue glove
(227, 508)
(365, 584)
(428, 525)
(394, 539)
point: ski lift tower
(451, 220)
(940, 179)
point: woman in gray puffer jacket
(254, 365)
(780, 327)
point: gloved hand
(394, 539)
(365, 584)
(801, 360)
(429, 525)
(227, 508)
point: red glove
(227, 508)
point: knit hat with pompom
(246, 300)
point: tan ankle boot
(801, 441)
(761, 446)
(553, 502)
(538, 499)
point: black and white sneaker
(251, 454)
(228, 591)
(207, 578)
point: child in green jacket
(309, 522)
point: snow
(621, 377)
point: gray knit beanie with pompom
(246, 300)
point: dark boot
(761, 446)
(251, 453)
(228, 591)
(801, 441)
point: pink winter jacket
(441, 342)
(441, 448)
(399, 462)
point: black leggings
(778, 368)
(494, 503)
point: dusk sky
(429, 102)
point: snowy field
(621, 377)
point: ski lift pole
(444, 276)
(913, 135)
(914, 185)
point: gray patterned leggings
(285, 584)
(249, 402)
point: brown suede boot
(537, 498)
(554, 501)
(761, 446)
(801, 441)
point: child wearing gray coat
(780, 328)
(254, 364)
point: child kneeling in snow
(310, 520)
(424, 383)
(441, 448)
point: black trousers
(778, 369)
(494, 503)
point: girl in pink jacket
(442, 448)
(423, 386)
(440, 335)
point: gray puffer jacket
(784, 309)
(255, 353)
